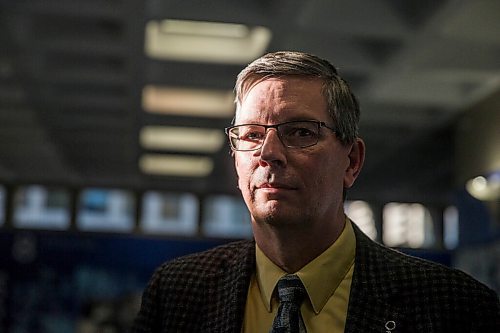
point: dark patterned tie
(291, 293)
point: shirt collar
(321, 276)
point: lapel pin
(390, 326)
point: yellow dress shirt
(327, 280)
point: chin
(268, 217)
(279, 219)
(274, 212)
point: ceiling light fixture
(188, 102)
(176, 165)
(187, 139)
(200, 41)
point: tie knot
(291, 289)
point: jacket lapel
(373, 303)
(367, 314)
(229, 296)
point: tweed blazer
(390, 292)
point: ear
(356, 159)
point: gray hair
(343, 106)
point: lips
(275, 185)
(264, 179)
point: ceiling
(72, 74)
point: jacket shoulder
(207, 263)
(183, 292)
(446, 296)
(414, 272)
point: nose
(272, 152)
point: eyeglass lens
(298, 134)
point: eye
(304, 132)
(251, 134)
(299, 131)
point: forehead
(282, 99)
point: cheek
(332, 174)
(243, 168)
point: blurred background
(113, 157)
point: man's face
(285, 186)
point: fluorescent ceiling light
(176, 165)
(188, 102)
(182, 138)
(205, 41)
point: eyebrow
(283, 121)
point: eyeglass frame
(319, 123)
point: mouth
(275, 186)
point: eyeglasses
(293, 134)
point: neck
(293, 247)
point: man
(309, 268)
